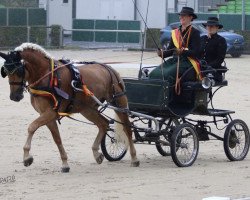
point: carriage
(158, 115)
(173, 123)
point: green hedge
(246, 35)
(38, 35)
(56, 36)
(14, 36)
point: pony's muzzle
(16, 97)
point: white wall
(124, 10)
(58, 12)
(156, 12)
(171, 5)
(105, 9)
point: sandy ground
(156, 178)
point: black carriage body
(147, 95)
(157, 98)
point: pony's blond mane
(33, 46)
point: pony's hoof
(100, 158)
(135, 163)
(28, 161)
(65, 169)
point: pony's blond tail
(120, 135)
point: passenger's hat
(188, 11)
(213, 21)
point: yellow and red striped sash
(176, 37)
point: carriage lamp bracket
(225, 120)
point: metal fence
(92, 38)
(12, 36)
(88, 33)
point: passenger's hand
(160, 53)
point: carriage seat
(216, 75)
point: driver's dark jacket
(193, 45)
(213, 50)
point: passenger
(213, 46)
(185, 43)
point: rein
(46, 75)
(181, 40)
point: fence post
(28, 33)
(61, 36)
(27, 16)
(243, 22)
(7, 17)
(94, 31)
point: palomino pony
(31, 63)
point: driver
(213, 46)
(185, 43)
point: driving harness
(57, 95)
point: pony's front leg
(42, 120)
(57, 138)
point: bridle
(12, 68)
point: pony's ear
(3, 55)
(3, 73)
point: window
(65, 1)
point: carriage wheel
(112, 149)
(168, 125)
(236, 140)
(184, 145)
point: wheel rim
(238, 140)
(114, 147)
(186, 146)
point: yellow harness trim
(44, 94)
(175, 37)
(52, 64)
(63, 114)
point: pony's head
(14, 68)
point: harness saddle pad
(76, 76)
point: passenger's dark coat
(213, 50)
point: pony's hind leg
(57, 138)
(102, 124)
(127, 129)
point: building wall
(105, 9)
(124, 10)
(58, 12)
(156, 12)
(61, 13)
